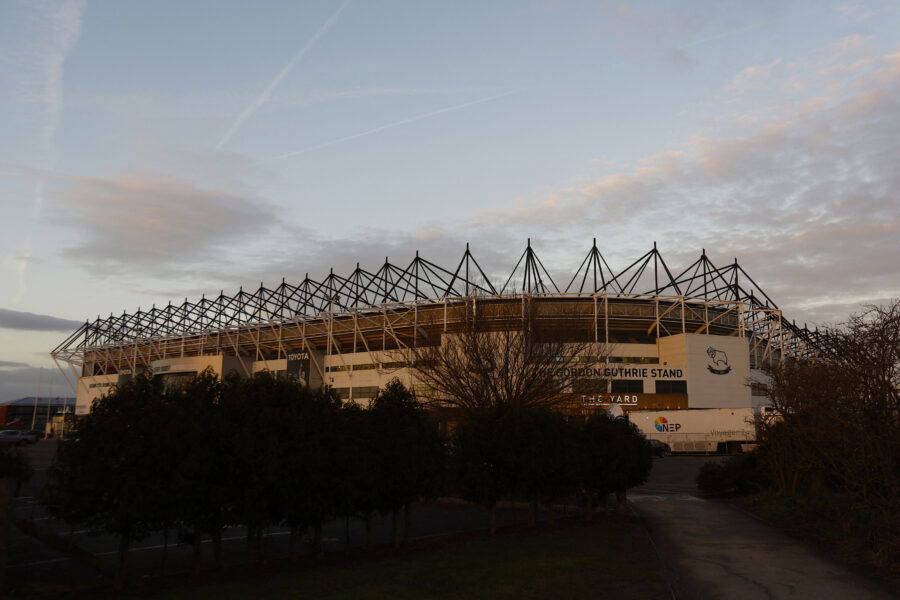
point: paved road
(713, 550)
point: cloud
(18, 262)
(854, 12)
(33, 381)
(52, 30)
(668, 31)
(154, 221)
(8, 364)
(752, 78)
(804, 194)
(35, 84)
(14, 319)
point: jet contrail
(261, 99)
(721, 35)
(433, 113)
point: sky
(153, 151)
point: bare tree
(503, 353)
(838, 420)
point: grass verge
(601, 560)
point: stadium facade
(692, 338)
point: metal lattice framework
(349, 313)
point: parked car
(13, 436)
(33, 436)
(660, 448)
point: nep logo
(662, 424)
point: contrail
(433, 113)
(261, 99)
(721, 35)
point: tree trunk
(347, 535)
(122, 571)
(407, 521)
(621, 503)
(8, 487)
(369, 532)
(217, 547)
(493, 521)
(295, 542)
(197, 543)
(318, 547)
(261, 544)
(165, 552)
(249, 557)
(395, 528)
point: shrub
(14, 464)
(741, 474)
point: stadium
(693, 337)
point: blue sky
(157, 150)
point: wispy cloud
(63, 21)
(267, 92)
(399, 123)
(36, 84)
(721, 35)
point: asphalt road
(712, 550)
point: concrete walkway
(712, 550)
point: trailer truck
(699, 429)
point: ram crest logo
(718, 361)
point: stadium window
(342, 393)
(367, 391)
(394, 365)
(628, 386)
(671, 387)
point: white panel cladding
(717, 368)
(719, 371)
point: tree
(254, 409)
(502, 355)
(409, 451)
(14, 471)
(836, 423)
(614, 456)
(200, 465)
(309, 463)
(115, 476)
(540, 457)
(479, 463)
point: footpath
(712, 550)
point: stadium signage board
(623, 372)
(607, 399)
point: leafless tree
(503, 353)
(838, 420)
